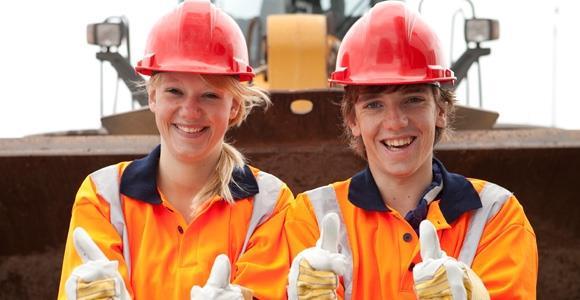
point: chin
(400, 173)
(395, 169)
(187, 153)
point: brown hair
(444, 98)
(230, 158)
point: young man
(396, 108)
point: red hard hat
(196, 37)
(391, 44)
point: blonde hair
(444, 98)
(248, 97)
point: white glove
(439, 276)
(218, 285)
(314, 271)
(97, 277)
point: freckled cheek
(163, 118)
(369, 132)
(373, 125)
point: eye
(174, 91)
(372, 105)
(211, 95)
(414, 100)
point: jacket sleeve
(507, 256)
(264, 266)
(301, 228)
(91, 212)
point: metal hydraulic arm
(462, 65)
(127, 73)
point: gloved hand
(97, 277)
(313, 274)
(440, 276)
(218, 285)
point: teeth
(398, 142)
(190, 129)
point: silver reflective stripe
(269, 187)
(107, 182)
(433, 193)
(324, 201)
(493, 198)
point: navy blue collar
(457, 196)
(139, 180)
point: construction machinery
(292, 46)
(298, 139)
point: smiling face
(192, 116)
(398, 128)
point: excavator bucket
(39, 177)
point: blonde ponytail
(218, 184)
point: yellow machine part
(297, 52)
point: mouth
(190, 130)
(398, 144)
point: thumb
(429, 242)
(86, 247)
(329, 233)
(219, 277)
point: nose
(191, 108)
(395, 119)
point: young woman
(402, 215)
(152, 228)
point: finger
(219, 277)
(86, 247)
(339, 264)
(329, 233)
(477, 286)
(429, 242)
(455, 279)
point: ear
(235, 109)
(353, 125)
(151, 93)
(441, 117)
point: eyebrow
(367, 96)
(415, 89)
(404, 90)
(170, 79)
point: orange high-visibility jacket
(160, 255)
(498, 242)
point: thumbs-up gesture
(218, 285)
(313, 274)
(97, 277)
(439, 276)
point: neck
(180, 181)
(402, 193)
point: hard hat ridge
(196, 37)
(391, 44)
